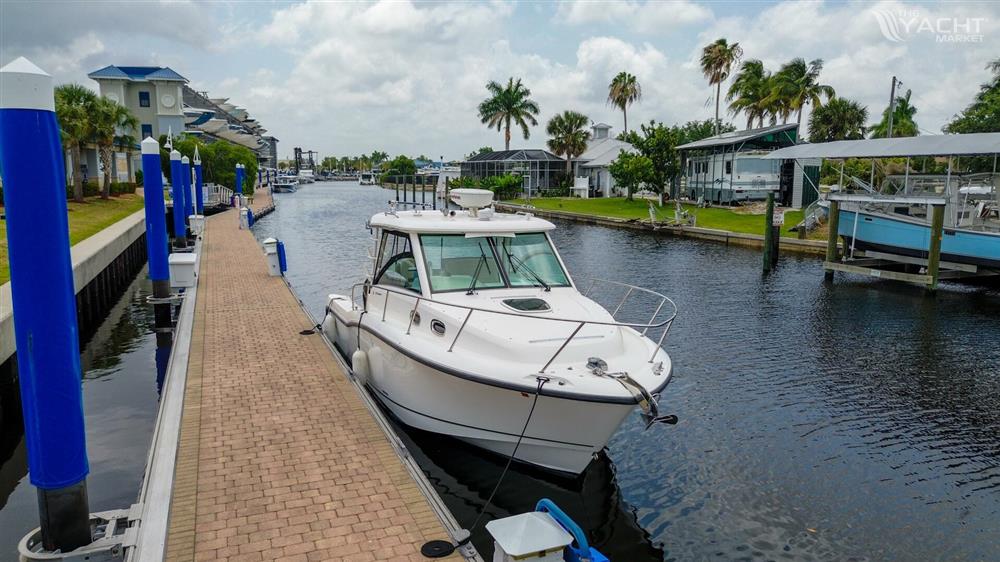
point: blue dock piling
(239, 179)
(177, 191)
(44, 300)
(156, 229)
(282, 260)
(199, 190)
(188, 200)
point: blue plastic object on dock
(282, 261)
(580, 550)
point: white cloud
(645, 17)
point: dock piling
(188, 200)
(831, 241)
(177, 191)
(771, 234)
(44, 302)
(156, 230)
(199, 188)
(934, 252)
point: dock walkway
(279, 458)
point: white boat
(285, 184)
(471, 317)
(306, 175)
(366, 178)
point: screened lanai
(540, 168)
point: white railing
(630, 290)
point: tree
(840, 119)
(74, 107)
(717, 61)
(569, 136)
(506, 104)
(903, 124)
(631, 170)
(378, 157)
(623, 91)
(401, 166)
(112, 126)
(796, 85)
(697, 130)
(749, 92)
(983, 114)
(659, 144)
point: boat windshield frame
(495, 259)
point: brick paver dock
(279, 458)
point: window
(397, 266)
(143, 99)
(756, 166)
(729, 167)
(147, 130)
(528, 260)
(454, 262)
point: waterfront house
(729, 168)
(540, 168)
(593, 164)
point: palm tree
(839, 119)
(796, 85)
(112, 122)
(717, 61)
(74, 108)
(749, 92)
(508, 103)
(903, 124)
(623, 91)
(569, 135)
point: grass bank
(621, 208)
(85, 220)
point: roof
(602, 152)
(600, 126)
(137, 73)
(737, 137)
(434, 222)
(925, 145)
(514, 155)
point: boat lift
(929, 266)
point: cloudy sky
(406, 77)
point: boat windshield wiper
(516, 262)
(479, 267)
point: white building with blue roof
(154, 94)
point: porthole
(437, 327)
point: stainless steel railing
(630, 290)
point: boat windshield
(452, 260)
(525, 260)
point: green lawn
(619, 207)
(85, 220)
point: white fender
(359, 362)
(329, 327)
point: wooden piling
(934, 252)
(769, 233)
(831, 241)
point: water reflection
(120, 395)
(850, 420)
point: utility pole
(892, 103)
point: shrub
(138, 177)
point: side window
(396, 264)
(143, 99)
(147, 130)
(729, 167)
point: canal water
(121, 389)
(856, 420)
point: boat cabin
(435, 252)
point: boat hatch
(527, 304)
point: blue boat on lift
(893, 221)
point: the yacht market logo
(901, 25)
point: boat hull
(911, 237)
(562, 435)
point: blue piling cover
(282, 261)
(48, 352)
(188, 203)
(239, 180)
(250, 218)
(156, 218)
(199, 190)
(177, 192)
